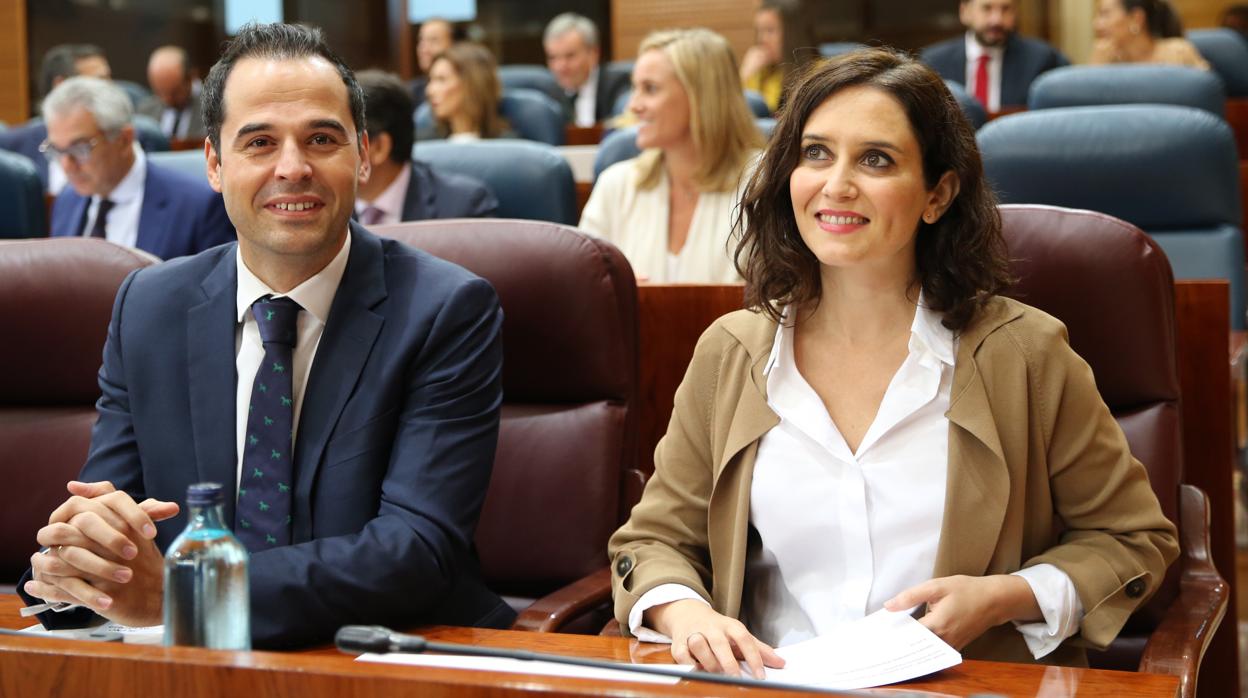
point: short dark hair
(59, 62)
(275, 41)
(960, 259)
(388, 106)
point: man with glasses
(113, 192)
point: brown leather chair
(565, 474)
(56, 297)
(1112, 287)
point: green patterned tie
(262, 517)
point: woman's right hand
(754, 60)
(712, 641)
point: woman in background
(1142, 31)
(782, 39)
(463, 93)
(670, 209)
(880, 428)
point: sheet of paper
(880, 649)
(151, 635)
(520, 666)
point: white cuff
(1060, 604)
(663, 593)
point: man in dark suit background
(114, 192)
(390, 395)
(572, 54)
(995, 64)
(174, 102)
(61, 62)
(401, 188)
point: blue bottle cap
(205, 494)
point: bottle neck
(209, 516)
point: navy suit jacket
(446, 195)
(181, 214)
(1024, 60)
(395, 443)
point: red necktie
(981, 81)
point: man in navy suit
(401, 188)
(394, 379)
(995, 64)
(114, 192)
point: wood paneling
(632, 20)
(14, 69)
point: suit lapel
(978, 481)
(71, 225)
(212, 378)
(1012, 78)
(347, 341)
(420, 203)
(154, 224)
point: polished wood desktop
(34, 666)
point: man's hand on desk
(101, 554)
(715, 642)
(961, 608)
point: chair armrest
(556, 609)
(1178, 644)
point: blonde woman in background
(1142, 31)
(670, 210)
(463, 93)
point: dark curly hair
(961, 258)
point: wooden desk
(49, 667)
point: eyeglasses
(78, 151)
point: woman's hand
(703, 637)
(754, 60)
(961, 608)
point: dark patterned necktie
(262, 517)
(101, 219)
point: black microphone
(358, 639)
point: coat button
(623, 566)
(1135, 588)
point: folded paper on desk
(152, 635)
(883, 648)
(519, 666)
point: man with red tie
(995, 64)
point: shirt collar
(390, 201)
(927, 335)
(131, 186)
(974, 49)
(314, 295)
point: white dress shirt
(585, 107)
(862, 526)
(121, 226)
(390, 201)
(167, 117)
(996, 59)
(315, 296)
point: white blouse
(841, 532)
(636, 221)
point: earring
(928, 218)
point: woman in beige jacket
(880, 430)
